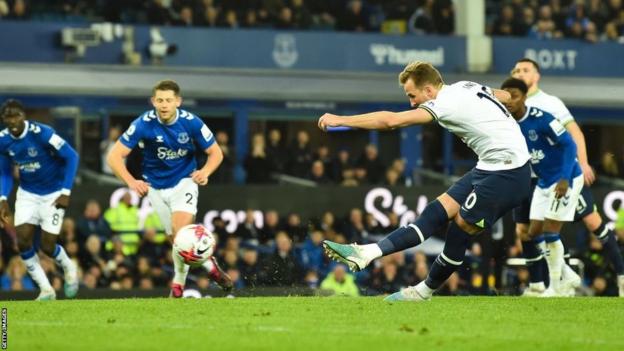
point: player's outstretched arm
(115, 161)
(581, 151)
(501, 95)
(215, 157)
(67, 153)
(380, 120)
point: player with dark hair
(559, 182)
(47, 167)
(529, 71)
(168, 137)
(499, 182)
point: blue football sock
(431, 219)
(533, 257)
(451, 258)
(610, 247)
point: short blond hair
(421, 73)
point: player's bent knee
(467, 227)
(450, 205)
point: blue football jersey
(552, 149)
(168, 149)
(46, 162)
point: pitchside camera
(80, 39)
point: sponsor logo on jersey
(537, 156)
(183, 138)
(29, 167)
(206, 133)
(32, 152)
(557, 127)
(164, 153)
(532, 135)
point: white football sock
(567, 272)
(63, 260)
(423, 290)
(208, 265)
(180, 269)
(555, 261)
(371, 251)
(37, 274)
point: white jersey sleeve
(472, 112)
(552, 105)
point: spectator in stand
(224, 174)
(4, 8)
(302, 19)
(257, 163)
(341, 163)
(92, 255)
(284, 19)
(421, 21)
(105, 146)
(158, 14)
(322, 154)
(506, 23)
(399, 9)
(318, 174)
(276, 152)
(295, 229)
(281, 268)
(92, 223)
(615, 27)
(311, 255)
(354, 18)
(324, 13)
(248, 231)
(354, 228)
(152, 248)
(370, 162)
(385, 278)
(579, 26)
(185, 18)
(270, 228)
(300, 155)
(340, 282)
(545, 27)
(444, 16)
(19, 11)
(249, 267)
(124, 223)
(15, 277)
(229, 20)
(210, 17)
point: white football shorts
(38, 210)
(545, 205)
(180, 198)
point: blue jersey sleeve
(557, 134)
(133, 134)
(67, 153)
(6, 176)
(202, 134)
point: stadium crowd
(114, 250)
(590, 20)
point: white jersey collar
(24, 132)
(170, 123)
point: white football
(194, 244)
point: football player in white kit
(528, 71)
(499, 182)
(169, 136)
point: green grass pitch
(318, 323)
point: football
(194, 244)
